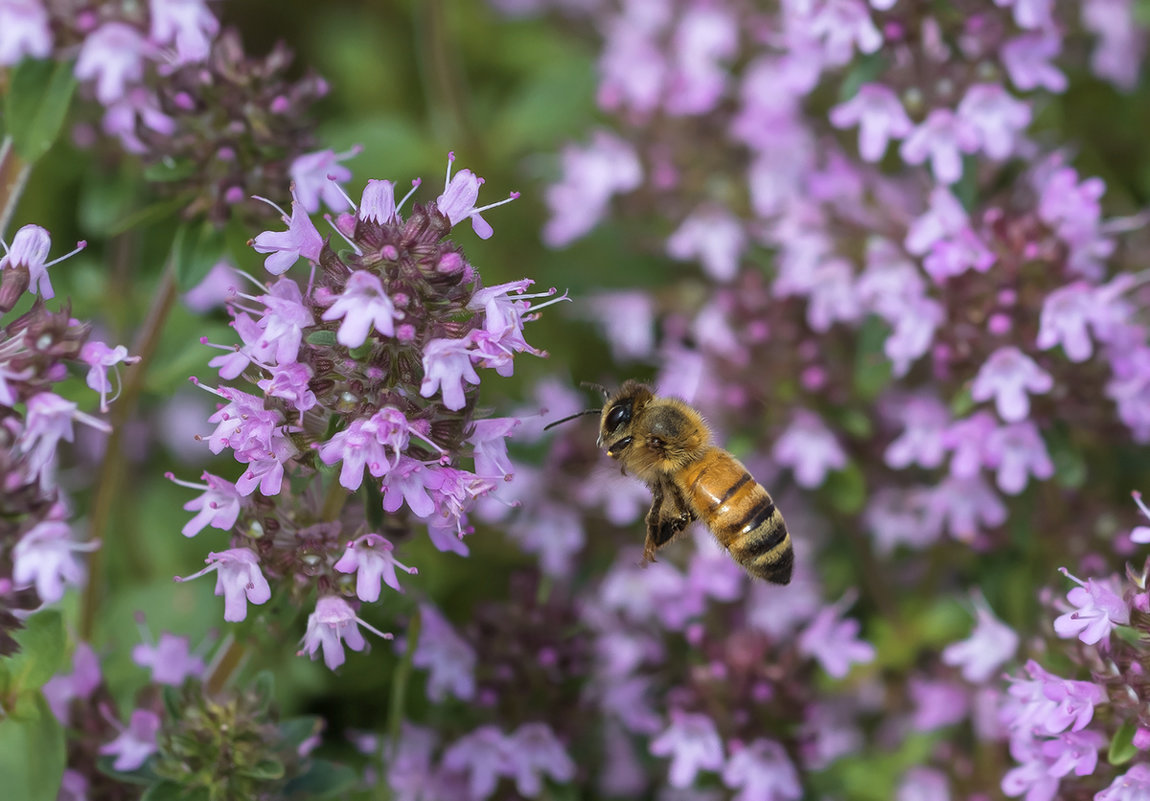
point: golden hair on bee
(665, 443)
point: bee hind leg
(668, 517)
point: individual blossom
(136, 742)
(238, 579)
(879, 115)
(937, 703)
(991, 644)
(1066, 315)
(1098, 609)
(286, 247)
(447, 657)
(446, 366)
(1133, 785)
(965, 506)
(370, 558)
(363, 306)
(316, 177)
(1007, 376)
(170, 660)
(45, 558)
(1017, 451)
(458, 200)
(762, 771)
(332, 625)
(99, 357)
(833, 641)
(713, 236)
(997, 117)
(188, 25)
(483, 757)
(921, 441)
(113, 56)
(29, 251)
(943, 138)
(534, 752)
(693, 744)
(592, 175)
(923, 784)
(810, 449)
(24, 31)
(79, 684)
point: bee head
(618, 413)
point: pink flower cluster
(363, 379)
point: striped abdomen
(740, 513)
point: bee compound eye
(617, 416)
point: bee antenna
(572, 417)
(600, 387)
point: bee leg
(668, 517)
(654, 517)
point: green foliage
(31, 750)
(197, 247)
(37, 101)
(1122, 748)
(43, 647)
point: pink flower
(628, 322)
(188, 24)
(286, 247)
(407, 481)
(925, 419)
(447, 657)
(170, 660)
(369, 557)
(317, 176)
(964, 506)
(943, 219)
(715, 237)
(534, 751)
(810, 449)
(1066, 313)
(833, 641)
(943, 137)
(1015, 451)
(112, 55)
(1098, 609)
(1121, 42)
(1007, 376)
(483, 756)
(705, 37)
(488, 441)
(45, 556)
(967, 439)
(218, 287)
(29, 250)
(1133, 785)
(833, 296)
(841, 26)
(590, 177)
(330, 626)
(937, 703)
(996, 116)
(879, 115)
(457, 202)
(80, 683)
(762, 771)
(446, 366)
(238, 579)
(219, 506)
(49, 419)
(923, 784)
(693, 744)
(1030, 14)
(1027, 60)
(954, 256)
(136, 743)
(363, 304)
(990, 645)
(24, 31)
(100, 357)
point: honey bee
(665, 443)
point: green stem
(390, 743)
(228, 659)
(111, 473)
(14, 172)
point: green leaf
(872, 370)
(171, 791)
(43, 647)
(146, 216)
(173, 703)
(962, 404)
(1122, 748)
(264, 688)
(321, 337)
(39, 94)
(295, 731)
(169, 169)
(846, 489)
(865, 70)
(32, 751)
(1069, 464)
(264, 769)
(323, 780)
(197, 248)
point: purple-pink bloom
(1133, 785)
(483, 756)
(80, 683)
(24, 31)
(292, 382)
(45, 556)
(218, 287)
(553, 532)
(448, 659)
(29, 249)
(990, 645)
(1007, 376)
(964, 506)
(925, 420)
(533, 751)
(99, 357)
(457, 202)
(997, 116)
(1066, 315)
(943, 218)
(330, 626)
(317, 176)
(879, 115)
(1027, 59)
(136, 743)
(170, 659)
(937, 703)
(488, 440)
(362, 305)
(113, 56)
(762, 771)
(238, 579)
(446, 366)
(943, 137)
(715, 237)
(1017, 451)
(591, 175)
(810, 449)
(1073, 751)
(923, 784)
(408, 481)
(841, 26)
(48, 420)
(832, 296)
(370, 558)
(138, 106)
(186, 23)
(833, 641)
(1071, 207)
(1098, 609)
(1120, 44)
(286, 247)
(961, 252)
(967, 440)
(692, 742)
(1048, 704)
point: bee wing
(668, 517)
